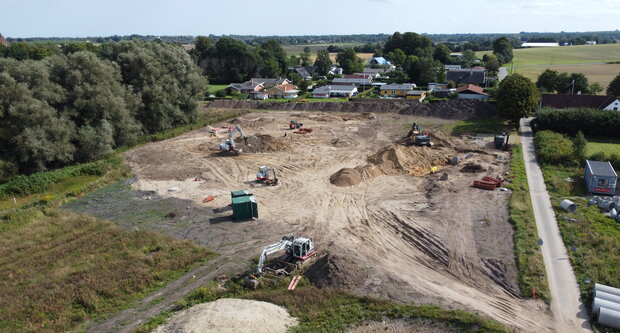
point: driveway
(569, 313)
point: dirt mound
(418, 161)
(334, 271)
(454, 109)
(230, 315)
(261, 143)
(346, 177)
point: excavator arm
(281, 245)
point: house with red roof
(472, 91)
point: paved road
(569, 313)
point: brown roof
(575, 101)
(3, 41)
(471, 88)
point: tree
(613, 88)
(517, 97)
(580, 143)
(579, 82)
(502, 49)
(323, 62)
(303, 86)
(491, 63)
(470, 57)
(305, 57)
(548, 81)
(349, 61)
(397, 57)
(442, 54)
(595, 88)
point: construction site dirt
(384, 224)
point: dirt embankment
(455, 109)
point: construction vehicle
(298, 252)
(422, 140)
(267, 175)
(229, 146)
(416, 129)
(295, 125)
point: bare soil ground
(397, 232)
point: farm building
(600, 177)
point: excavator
(229, 146)
(417, 137)
(295, 125)
(267, 175)
(299, 251)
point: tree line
(77, 107)
(592, 122)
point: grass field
(591, 238)
(609, 146)
(59, 269)
(213, 88)
(529, 258)
(590, 60)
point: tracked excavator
(416, 137)
(299, 251)
(229, 146)
(267, 175)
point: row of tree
(591, 122)
(78, 107)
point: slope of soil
(455, 109)
(230, 315)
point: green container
(244, 208)
(240, 193)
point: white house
(334, 91)
(540, 45)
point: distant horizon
(81, 19)
(309, 35)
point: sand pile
(418, 161)
(260, 143)
(230, 315)
(346, 177)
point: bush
(220, 93)
(592, 122)
(8, 170)
(554, 148)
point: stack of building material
(488, 183)
(606, 305)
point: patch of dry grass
(59, 269)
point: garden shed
(600, 177)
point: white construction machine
(229, 146)
(299, 251)
(267, 175)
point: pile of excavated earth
(383, 223)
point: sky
(83, 18)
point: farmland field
(591, 60)
(609, 146)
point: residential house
(260, 95)
(334, 91)
(580, 101)
(417, 95)
(452, 67)
(255, 84)
(306, 72)
(590, 42)
(244, 88)
(363, 82)
(476, 75)
(286, 90)
(396, 89)
(540, 45)
(375, 71)
(3, 41)
(471, 91)
(359, 76)
(368, 75)
(380, 61)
